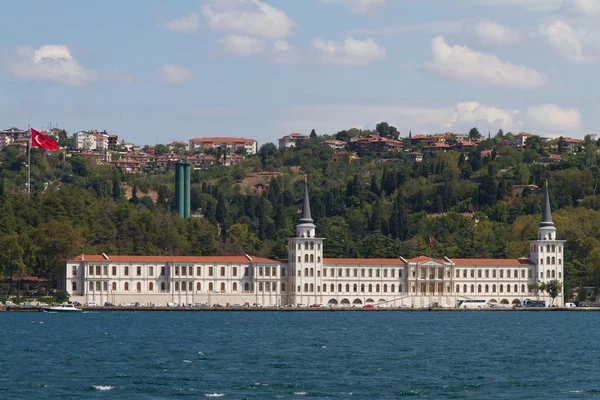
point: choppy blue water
(265, 355)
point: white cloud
(242, 45)
(173, 74)
(282, 52)
(187, 24)
(357, 6)
(584, 8)
(247, 17)
(564, 40)
(530, 5)
(350, 52)
(493, 33)
(330, 118)
(470, 66)
(53, 63)
(555, 119)
(429, 27)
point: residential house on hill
(291, 140)
(198, 144)
(520, 139)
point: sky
(156, 71)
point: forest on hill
(376, 206)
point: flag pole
(29, 162)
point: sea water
(296, 355)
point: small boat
(63, 308)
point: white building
(308, 278)
(83, 140)
(231, 143)
(291, 140)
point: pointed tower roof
(547, 213)
(305, 217)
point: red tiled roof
(476, 261)
(173, 259)
(363, 261)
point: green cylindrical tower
(179, 189)
(186, 190)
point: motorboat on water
(63, 308)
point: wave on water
(186, 361)
(214, 394)
(299, 393)
(101, 387)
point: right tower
(547, 252)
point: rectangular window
(458, 273)
(246, 271)
(222, 271)
(74, 270)
(493, 273)
(162, 271)
(385, 273)
(370, 273)
(210, 271)
(114, 270)
(190, 271)
(105, 270)
(340, 273)
(267, 271)
(198, 271)
(299, 259)
(260, 271)
(126, 271)
(522, 273)
(393, 273)
(176, 271)
(98, 270)
(139, 271)
(274, 271)
(234, 271)
(377, 273)
(355, 273)
(183, 271)
(325, 273)
(151, 271)
(399, 273)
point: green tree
(313, 134)
(12, 256)
(553, 287)
(474, 134)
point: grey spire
(547, 213)
(305, 217)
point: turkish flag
(40, 140)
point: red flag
(40, 140)
(430, 243)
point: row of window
(509, 273)
(102, 270)
(550, 261)
(341, 272)
(307, 246)
(308, 258)
(487, 289)
(179, 286)
(549, 249)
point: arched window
(332, 273)
(73, 286)
(508, 273)
(306, 271)
(355, 288)
(339, 288)
(210, 287)
(138, 286)
(493, 288)
(478, 288)
(547, 260)
(312, 287)
(176, 285)
(306, 258)
(392, 288)
(516, 289)
(501, 288)
(370, 288)
(384, 288)
(162, 286)
(198, 286)
(399, 288)
(347, 288)
(548, 248)
(487, 288)
(312, 245)
(522, 288)
(332, 288)
(362, 288)
(151, 286)
(183, 286)
(98, 286)
(472, 288)
(126, 286)
(190, 286)
(347, 271)
(472, 273)
(324, 288)
(260, 287)
(312, 258)
(464, 288)
(507, 288)
(306, 246)
(312, 271)
(306, 287)
(553, 274)
(377, 288)
(501, 273)
(114, 286)
(479, 273)
(542, 274)
(457, 288)
(283, 286)
(234, 287)
(553, 261)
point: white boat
(63, 308)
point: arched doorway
(345, 302)
(357, 301)
(369, 301)
(493, 301)
(517, 302)
(504, 301)
(333, 302)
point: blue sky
(158, 71)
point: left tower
(305, 258)
(182, 189)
